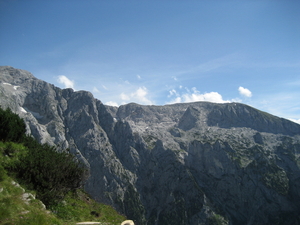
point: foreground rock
(127, 222)
(195, 163)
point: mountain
(192, 163)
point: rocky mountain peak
(192, 163)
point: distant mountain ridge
(191, 163)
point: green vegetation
(217, 219)
(78, 206)
(14, 210)
(150, 140)
(51, 173)
(54, 178)
(12, 127)
(278, 181)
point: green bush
(51, 173)
(12, 127)
(38, 166)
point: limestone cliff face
(194, 163)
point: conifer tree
(12, 127)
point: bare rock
(193, 163)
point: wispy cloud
(95, 90)
(294, 83)
(282, 104)
(270, 64)
(227, 60)
(172, 93)
(124, 97)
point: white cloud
(245, 92)
(194, 95)
(210, 97)
(124, 97)
(65, 81)
(295, 121)
(172, 92)
(111, 103)
(138, 77)
(141, 96)
(175, 100)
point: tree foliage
(12, 127)
(51, 173)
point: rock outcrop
(193, 163)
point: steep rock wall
(194, 163)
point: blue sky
(161, 51)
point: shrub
(51, 173)
(12, 127)
(38, 166)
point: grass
(14, 210)
(77, 206)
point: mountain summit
(193, 163)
